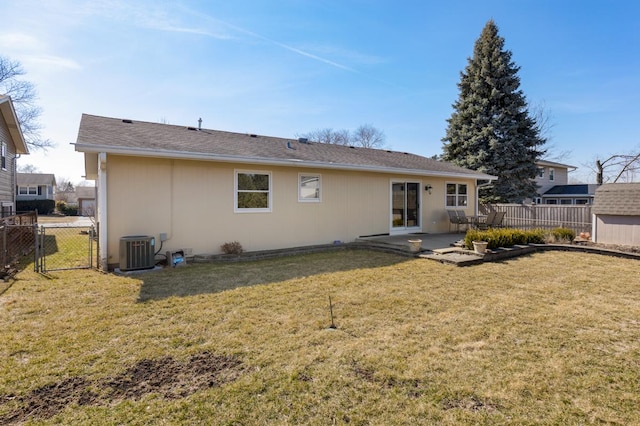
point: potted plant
(480, 247)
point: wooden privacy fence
(526, 216)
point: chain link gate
(66, 247)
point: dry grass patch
(550, 338)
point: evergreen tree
(491, 129)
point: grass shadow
(207, 278)
(49, 245)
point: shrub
(504, 237)
(565, 235)
(233, 247)
(66, 209)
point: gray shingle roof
(35, 179)
(127, 137)
(572, 190)
(621, 199)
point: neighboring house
(616, 214)
(86, 197)
(554, 188)
(12, 145)
(203, 188)
(35, 186)
(569, 194)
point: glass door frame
(403, 227)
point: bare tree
(368, 136)
(23, 95)
(617, 167)
(327, 135)
(365, 136)
(64, 190)
(28, 168)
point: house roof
(622, 199)
(554, 164)
(86, 192)
(572, 190)
(35, 179)
(9, 114)
(138, 138)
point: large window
(309, 186)
(253, 191)
(457, 195)
(28, 190)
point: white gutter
(102, 210)
(292, 162)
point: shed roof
(35, 179)
(86, 192)
(138, 138)
(620, 199)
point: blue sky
(286, 67)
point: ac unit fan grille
(136, 252)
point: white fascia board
(293, 162)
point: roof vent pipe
(200, 123)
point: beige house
(12, 145)
(616, 214)
(198, 188)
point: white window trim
(457, 184)
(27, 187)
(3, 154)
(236, 209)
(552, 175)
(301, 199)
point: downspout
(102, 210)
(478, 186)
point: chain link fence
(18, 240)
(66, 247)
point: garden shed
(616, 214)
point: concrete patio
(430, 242)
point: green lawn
(550, 338)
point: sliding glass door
(405, 206)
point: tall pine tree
(491, 129)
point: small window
(552, 175)
(309, 186)
(551, 201)
(541, 172)
(566, 201)
(582, 201)
(252, 192)
(457, 195)
(3, 156)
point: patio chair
(453, 219)
(492, 222)
(487, 221)
(497, 221)
(462, 218)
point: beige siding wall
(192, 202)
(561, 177)
(7, 175)
(622, 230)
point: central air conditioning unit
(137, 252)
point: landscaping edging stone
(468, 258)
(460, 257)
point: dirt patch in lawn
(165, 376)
